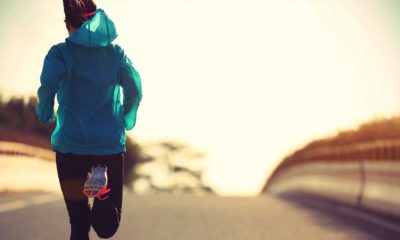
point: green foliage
(19, 123)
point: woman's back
(87, 72)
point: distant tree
(171, 166)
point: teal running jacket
(86, 72)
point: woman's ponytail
(76, 11)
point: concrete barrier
(336, 181)
(365, 176)
(20, 149)
(381, 191)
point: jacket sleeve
(132, 90)
(53, 70)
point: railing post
(361, 170)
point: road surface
(42, 216)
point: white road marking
(14, 205)
(37, 200)
(42, 199)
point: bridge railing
(20, 149)
(364, 175)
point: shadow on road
(341, 218)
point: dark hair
(75, 11)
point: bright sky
(247, 81)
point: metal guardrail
(364, 175)
(20, 149)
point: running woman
(86, 73)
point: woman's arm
(132, 89)
(53, 70)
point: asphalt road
(154, 217)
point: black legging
(105, 215)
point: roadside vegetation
(380, 129)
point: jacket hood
(96, 32)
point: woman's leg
(72, 171)
(106, 214)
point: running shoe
(96, 183)
(104, 218)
